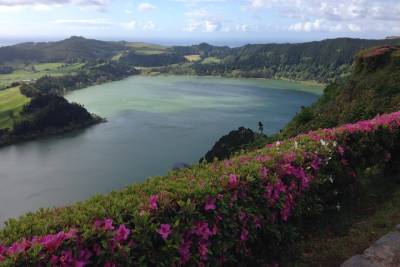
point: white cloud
(146, 7)
(203, 26)
(212, 26)
(306, 26)
(103, 23)
(53, 2)
(148, 26)
(354, 28)
(332, 9)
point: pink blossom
(108, 225)
(244, 235)
(233, 181)
(122, 233)
(165, 231)
(203, 250)
(153, 202)
(202, 230)
(264, 172)
(210, 204)
(184, 251)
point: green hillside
(322, 61)
(373, 88)
(68, 50)
(11, 103)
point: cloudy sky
(196, 20)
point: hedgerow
(247, 210)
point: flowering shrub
(244, 210)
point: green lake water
(153, 123)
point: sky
(191, 21)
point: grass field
(193, 58)
(211, 60)
(35, 71)
(11, 103)
(147, 49)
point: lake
(153, 122)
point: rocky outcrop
(383, 253)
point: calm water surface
(153, 122)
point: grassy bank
(11, 103)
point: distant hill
(72, 49)
(322, 61)
(373, 88)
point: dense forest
(152, 60)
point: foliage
(151, 60)
(230, 143)
(372, 89)
(248, 210)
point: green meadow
(35, 71)
(11, 103)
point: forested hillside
(322, 61)
(68, 50)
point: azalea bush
(248, 210)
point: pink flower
(153, 202)
(108, 224)
(210, 204)
(184, 251)
(71, 234)
(244, 235)
(202, 230)
(165, 231)
(203, 251)
(52, 242)
(316, 163)
(233, 181)
(264, 172)
(122, 233)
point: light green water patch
(172, 94)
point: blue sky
(190, 21)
